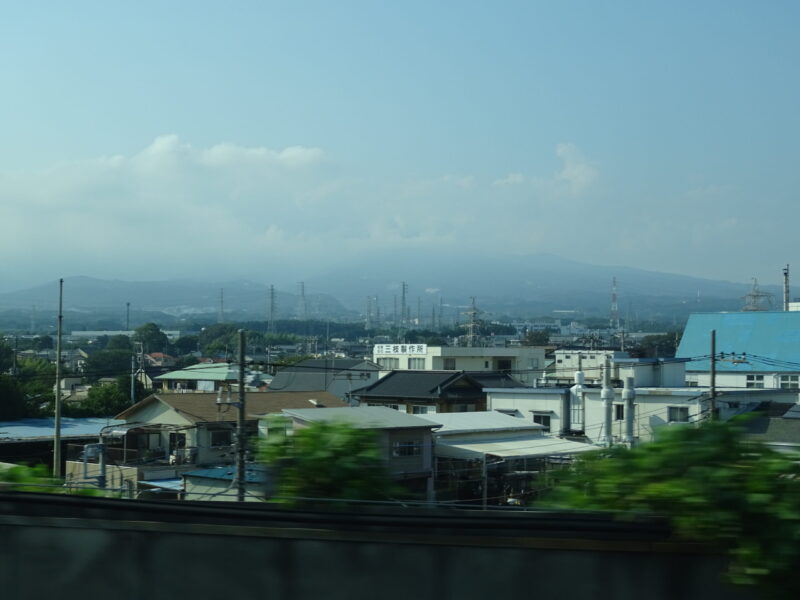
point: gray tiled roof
(318, 374)
(368, 417)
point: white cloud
(511, 179)
(577, 174)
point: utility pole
(57, 424)
(127, 316)
(241, 441)
(786, 288)
(221, 316)
(16, 350)
(713, 382)
(133, 380)
(271, 314)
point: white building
(647, 372)
(654, 407)
(524, 363)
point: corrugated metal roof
(367, 417)
(771, 335)
(529, 447)
(252, 474)
(204, 372)
(485, 420)
(42, 428)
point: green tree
(105, 400)
(536, 338)
(655, 346)
(716, 488)
(37, 378)
(151, 337)
(12, 399)
(327, 460)
(107, 363)
(186, 344)
(6, 356)
(119, 342)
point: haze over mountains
(515, 286)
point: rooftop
(486, 420)
(760, 341)
(365, 417)
(198, 407)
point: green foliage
(36, 378)
(107, 363)
(714, 487)
(655, 346)
(151, 337)
(536, 338)
(6, 356)
(21, 478)
(119, 342)
(326, 460)
(186, 344)
(12, 399)
(107, 400)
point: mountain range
(516, 286)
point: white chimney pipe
(629, 395)
(607, 396)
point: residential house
(204, 377)
(525, 363)
(421, 392)
(335, 375)
(405, 440)
(167, 434)
(754, 349)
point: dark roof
(425, 385)
(319, 374)
(198, 407)
(776, 423)
(494, 379)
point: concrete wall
(95, 551)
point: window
(449, 364)
(678, 414)
(409, 448)
(755, 381)
(423, 410)
(619, 412)
(542, 419)
(220, 437)
(389, 363)
(790, 382)
(503, 364)
(416, 363)
(486, 364)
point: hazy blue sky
(146, 140)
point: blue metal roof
(750, 336)
(253, 474)
(41, 428)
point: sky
(272, 140)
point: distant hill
(173, 297)
(526, 286)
